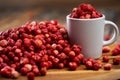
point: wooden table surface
(18, 18)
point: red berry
(106, 49)
(27, 42)
(116, 61)
(43, 71)
(77, 60)
(62, 56)
(11, 42)
(107, 66)
(56, 61)
(15, 74)
(115, 52)
(72, 66)
(24, 61)
(67, 50)
(28, 66)
(1, 60)
(88, 64)
(30, 76)
(96, 66)
(36, 71)
(17, 51)
(84, 60)
(53, 46)
(3, 43)
(107, 37)
(71, 54)
(54, 22)
(37, 43)
(44, 64)
(55, 52)
(24, 71)
(105, 59)
(60, 65)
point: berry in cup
(85, 11)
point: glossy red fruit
(50, 64)
(96, 66)
(88, 64)
(24, 61)
(62, 56)
(107, 37)
(1, 60)
(92, 60)
(71, 54)
(30, 76)
(60, 65)
(72, 65)
(53, 46)
(6, 72)
(43, 71)
(115, 52)
(106, 49)
(11, 42)
(56, 61)
(116, 61)
(37, 43)
(84, 60)
(55, 52)
(77, 60)
(24, 71)
(67, 50)
(80, 56)
(59, 47)
(27, 42)
(44, 64)
(28, 66)
(36, 71)
(3, 42)
(51, 58)
(14, 36)
(17, 51)
(54, 22)
(15, 74)
(105, 58)
(107, 66)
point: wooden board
(81, 73)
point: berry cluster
(85, 11)
(35, 47)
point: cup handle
(115, 34)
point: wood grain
(81, 73)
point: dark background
(14, 13)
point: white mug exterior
(89, 33)
(115, 35)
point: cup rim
(103, 16)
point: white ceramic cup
(89, 33)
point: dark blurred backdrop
(16, 12)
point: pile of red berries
(35, 47)
(85, 11)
